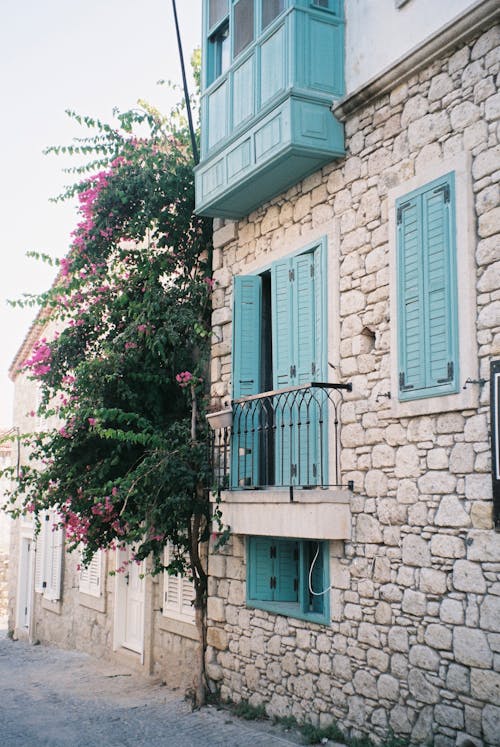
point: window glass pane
(322, 3)
(217, 9)
(270, 10)
(219, 52)
(243, 25)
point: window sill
(94, 603)
(324, 514)
(465, 399)
(183, 628)
(288, 609)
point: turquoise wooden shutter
(246, 380)
(287, 571)
(427, 304)
(318, 583)
(261, 568)
(282, 324)
(411, 320)
(246, 335)
(439, 288)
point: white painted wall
(378, 33)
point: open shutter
(54, 559)
(410, 315)
(246, 335)
(41, 553)
(246, 380)
(261, 568)
(304, 318)
(318, 583)
(439, 288)
(284, 370)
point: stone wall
(414, 642)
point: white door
(130, 593)
(25, 582)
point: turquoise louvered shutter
(303, 317)
(286, 571)
(261, 568)
(427, 306)
(282, 324)
(411, 321)
(439, 287)
(246, 380)
(246, 335)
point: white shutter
(178, 593)
(90, 577)
(55, 547)
(41, 552)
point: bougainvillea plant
(125, 376)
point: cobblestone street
(54, 698)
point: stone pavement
(55, 698)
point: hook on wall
(481, 382)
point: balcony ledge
(320, 513)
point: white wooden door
(130, 594)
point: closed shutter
(55, 547)
(246, 380)
(287, 571)
(427, 302)
(90, 577)
(438, 279)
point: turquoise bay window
(270, 72)
(427, 291)
(289, 577)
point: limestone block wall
(414, 640)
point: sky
(89, 56)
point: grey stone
(468, 576)
(491, 723)
(447, 546)
(397, 639)
(438, 636)
(365, 684)
(490, 614)
(436, 482)
(433, 582)
(458, 679)
(470, 647)
(414, 602)
(424, 657)
(451, 513)
(485, 685)
(368, 529)
(388, 687)
(421, 689)
(449, 716)
(422, 730)
(416, 551)
(483, 546)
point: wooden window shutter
(90, 577)
(427, 292)
(178, 593)
(55, 545)
(41, 553)
(246, 335)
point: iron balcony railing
(283, 438)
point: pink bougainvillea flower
(92, 421)
(184, 378)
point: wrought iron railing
(283, 438)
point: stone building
(5, 461)
(351, 161)
(146, 622)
